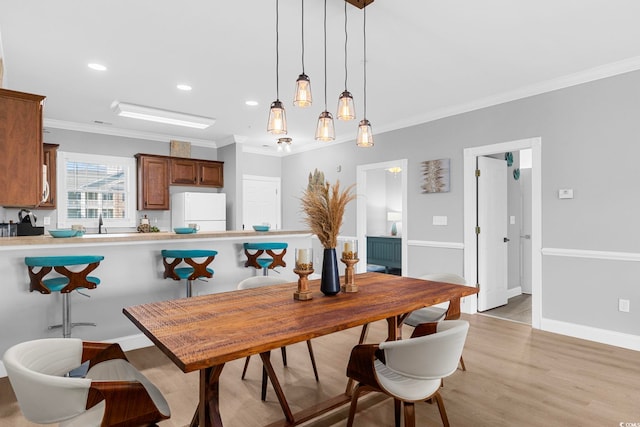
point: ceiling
(425, 59)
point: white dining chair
(409, 370)
(111, 393)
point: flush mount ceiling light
(284, 144)
(161, 116)
(184, 87)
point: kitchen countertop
(7, 243)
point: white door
(525, 232)
(492, 222)
(261, 202)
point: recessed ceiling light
(251, 103)
(97, 67)
(184, 87)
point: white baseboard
(514, 292)
(603, 336)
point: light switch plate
(439, 220)
(565, 193)
(512, 219)
(623, 305)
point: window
(92, 186)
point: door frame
(470, 304)
(275, 179)
(361, 210)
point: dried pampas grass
(324, 207)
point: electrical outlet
(623, 305)
(47, 220)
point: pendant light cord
(364, 32)
(345, 45)
(303, 37)
(325, 55)
(277, 52)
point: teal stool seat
(67, 282)
(196, 270)
(253, 251)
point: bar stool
(196, 270)
(67, 282)
(274, 260)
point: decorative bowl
(261, 227)
(184, 230)
(63, 232)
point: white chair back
(260, 281)
(36, 372)
(431, 356)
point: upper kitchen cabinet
(49, 193)
(153, 182)
(205, 173)
(21, 146)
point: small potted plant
(324, 205)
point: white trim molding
(582, 253)
(432, 244)
(589, 333)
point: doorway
(368, 221)
(470, 202)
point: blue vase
(330, 281)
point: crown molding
(125, 133)
(581, 77)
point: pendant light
(365, 135)
(277, 119)
(303, 96)
(346, 110)
(325, 130)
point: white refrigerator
(208, 210)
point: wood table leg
(208, 412)
(394, 331)
(276, 386)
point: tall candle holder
(304, 267)
(349, 258)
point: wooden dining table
(203, 333)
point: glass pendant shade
(325, 130)
(346, 110)
(365, 135)
(303, 96)
(277, 119)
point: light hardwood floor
(516, 376)
(517, 309)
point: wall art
(435, 175)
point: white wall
(589, 136)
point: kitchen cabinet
(385, 251)
(204, 173)
(156, 173)
(211, 174)
(50, 152)
(21, 148)
(153, 182)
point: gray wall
(257, 164)
(590, 143)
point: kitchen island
(130, 274)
